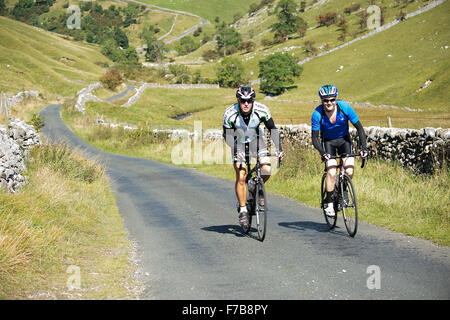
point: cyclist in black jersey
(241, 130)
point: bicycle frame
(345, 199)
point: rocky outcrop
(16, 140)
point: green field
(208, 9)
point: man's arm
(274, 133)
(316, 141)
(361, 135)
(228, 135)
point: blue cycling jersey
(340, 128)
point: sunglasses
(329, 100)
(246, 101)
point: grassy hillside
(209, 9)
(393, 64)
(389, 67)
(34, 59)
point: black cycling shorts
(251, 149)
(342, 145)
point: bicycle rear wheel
(349, 206)
(331, 221)
(261, 210)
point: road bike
(256, 197)
(344, 198)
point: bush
(111, 79)
(187, 45)
(247, 46)
(327, 19)
(210, 55)
(37, 122)
(352, 8)
(266, 42)
(181, 72)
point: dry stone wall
(16, 140)
(422, 151)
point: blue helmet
(328, 90)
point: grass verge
(66, 216)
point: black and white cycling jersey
(246, 127)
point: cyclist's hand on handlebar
(326, 157)
(240, 156)
(280, 155)
(364, 153)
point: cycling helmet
(328, 90)
(245, 93)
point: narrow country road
(186, 227)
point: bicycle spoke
(350, 209)
(331, 221)
(261, 211)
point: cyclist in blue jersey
(331, 120)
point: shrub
(247, 46)
(37, 121)
(327, 19)
(210, 55)
(111, 79)
(352, 8)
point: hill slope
(34, 59)
(390, 67)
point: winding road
(186, 227)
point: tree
(288, 20)
(181, 73)
(21, 9)
(187, 44)
(111, 79)
(3, 9)
(227, 39)
(230, 72)
(278, 71)
(155, 51)
(121, 38)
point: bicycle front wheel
(331, 221)
(261, 210)
(349, 206)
